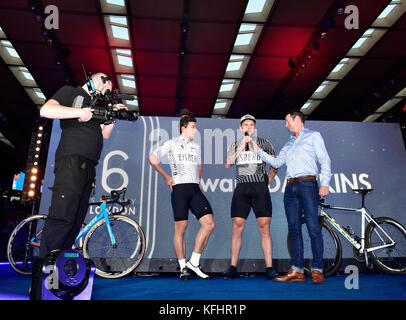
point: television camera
(103, 105)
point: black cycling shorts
(253, 195)
(187, 196)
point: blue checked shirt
(301, 156)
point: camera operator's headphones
(90, 83)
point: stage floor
(168, 286)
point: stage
(168, 287)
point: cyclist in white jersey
(186, 171)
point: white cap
(247, 117)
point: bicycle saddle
(362, 191)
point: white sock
(182, 263)
(195, 259)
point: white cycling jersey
(183, 157)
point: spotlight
(32, 185)
(340, 10)
(33, 178)
(40, 128)
(39, 18)
(323, 34)
(309, 57)
(34, 170)
(59, 63)
(316, 45)
(44, 32)
(297, 74)
(291, 63)
(31, 193)
(184, 27)
(304, 65)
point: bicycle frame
(365, 216)
(104, 213)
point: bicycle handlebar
(114, 198)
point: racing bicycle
(115, 243)
(382, 241)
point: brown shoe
(292, 276)
(317, 277)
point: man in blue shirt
(301, 154)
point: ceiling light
(234, 66)
(243, 39)
(120, 32)
(359, 43)
(245, 27)
(118, 20)
(116, 2)
(338, 67)
(220, 105)
(386, 11)
(255, 6)
(125, 61)
(320, 88)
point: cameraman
(76, 157)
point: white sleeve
(162, 150)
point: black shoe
(271, 273)
(184, 274)
(230, 273)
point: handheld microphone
(247, 148)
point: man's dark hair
(185, 119)
(297, 113)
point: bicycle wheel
(390, 259)
(122, 258)
(332, 250)
(20, 248)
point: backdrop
(363, 155)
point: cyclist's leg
(203, 212)
(262, 206)
(240, 209)
(180, 214)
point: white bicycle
(382, 240)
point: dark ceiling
(168, 80)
